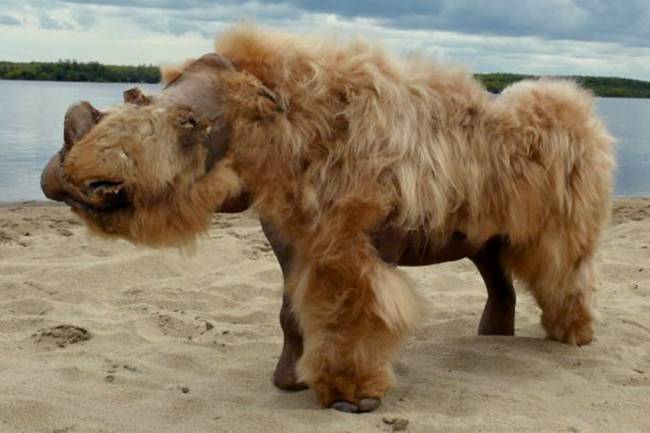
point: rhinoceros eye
(189, 122)
(186, 119)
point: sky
(543, 37)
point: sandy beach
(100, 336)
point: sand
(100, 336)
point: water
(31, 127)
(31, 130)
(629, 121)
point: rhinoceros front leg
(499, 313)
(284, 376)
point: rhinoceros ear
(257, 98)
(79, 119)
(136, 96)
(278, 104)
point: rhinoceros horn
(79, 119)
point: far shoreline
(148, 83)
(72, 71)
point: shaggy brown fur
(333, 141)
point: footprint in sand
(61, 336)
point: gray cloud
(179, 27)
(164, 4)
(206, 10)
(197, 17)
(84, 17)
(593, 37)
(173, 26)
(590, 20)
(587, 20)
(46, 22)
(6, 20)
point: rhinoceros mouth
(99, 197)
(105, 194)
(120, 203)
(96, 196)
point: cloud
(180, 27)
(84, 18)
(200, 10)
(6, 20)
(45, 21)
(587, 37)
(173, 26)
(583, 20)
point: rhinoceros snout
(79, 119)
(51, 179)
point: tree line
(601, 86)
(71, 70)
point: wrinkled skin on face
(155, 169)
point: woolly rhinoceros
(356, 162)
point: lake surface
(31, 130)
(31, 127)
